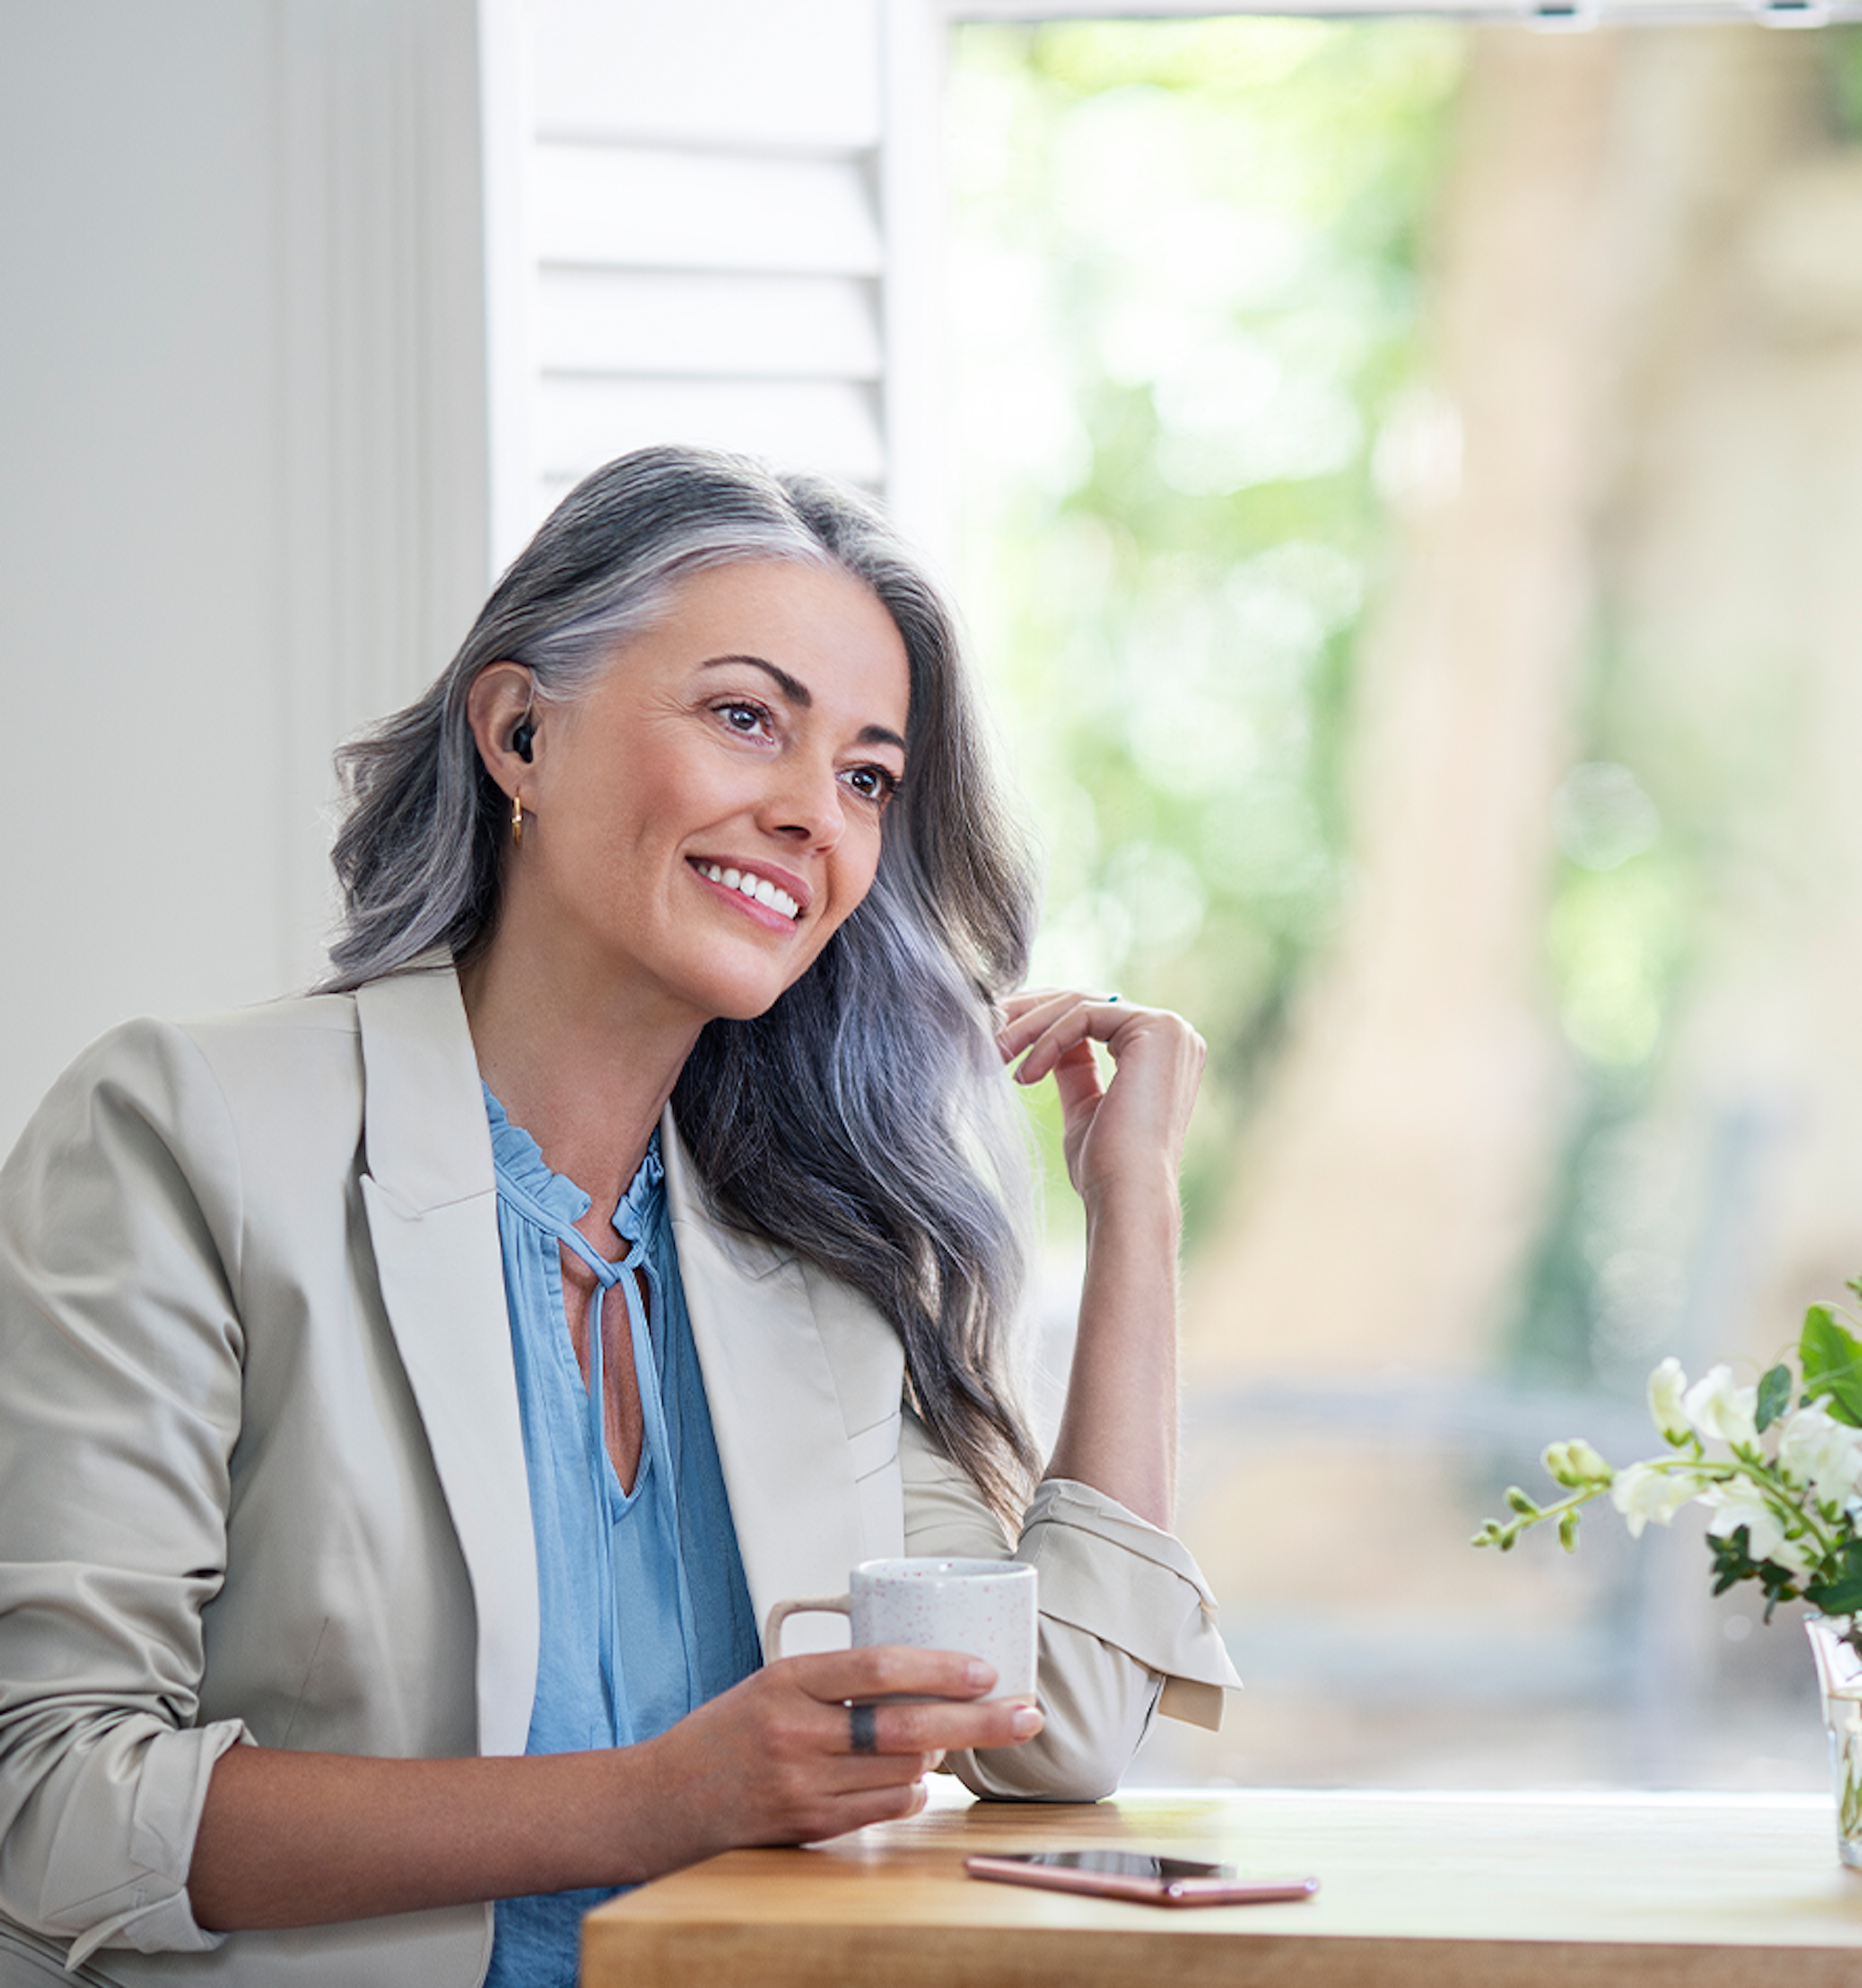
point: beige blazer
(262, 1477)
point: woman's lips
(753, 889)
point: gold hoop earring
(517, 821)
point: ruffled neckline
(519, 1163)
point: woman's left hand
(1131, 1129)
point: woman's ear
(501, 708)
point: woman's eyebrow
(792, 688)
(799, 694)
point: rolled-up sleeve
(1127, 1625)
(121, 1344)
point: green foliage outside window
(1187, 257)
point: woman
(418, 1392)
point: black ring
(862, 1728)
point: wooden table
(1417, 1891)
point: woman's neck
(585, 1072)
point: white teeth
(749, 885)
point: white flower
(1737, 1504)
(1589, 1466)
(1666, 1386)
(1575, 1464)
(1799, 1555)
(1644, 1491)
(1716, 1408)
(1813, 1447)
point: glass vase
(1836, 1640)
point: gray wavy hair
(862, 1121)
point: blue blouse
(645, 1612)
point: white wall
(312, 308)
(243, 507)
(138, 575)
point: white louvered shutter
(706, 198)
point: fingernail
(1027, 1721)
(978, 1675)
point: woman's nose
(806, 803)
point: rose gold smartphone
(1130, 1874)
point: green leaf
(1832, 1361)
(1732, 1559)
(1774, 1397)
(1780, 1584)
(1842, 1594)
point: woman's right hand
(290, 1839)
(771, 1761)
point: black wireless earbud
(522, 737)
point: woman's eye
(873, 783)
(748, 719)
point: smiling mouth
(747, 883)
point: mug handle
(823, 1604)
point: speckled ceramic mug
(983, 1607)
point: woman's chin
(742, 996)
(745, 1000)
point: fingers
(1020, 1002)
(1053, 1031)
(780, 1758)
(1130, 1125)
(862, 1774)
(810, 1808)
(907, 1702)
(931, 1731)
(887, 1670)
(1045, 1028)
(855, 1811)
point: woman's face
(699, 826)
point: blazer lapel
(431, 1201)
(776, 1408)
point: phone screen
(1120, 1864)
(1137, 1875)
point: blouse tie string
(656, 1457)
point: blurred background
(1405, 479)
(1411, 484)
